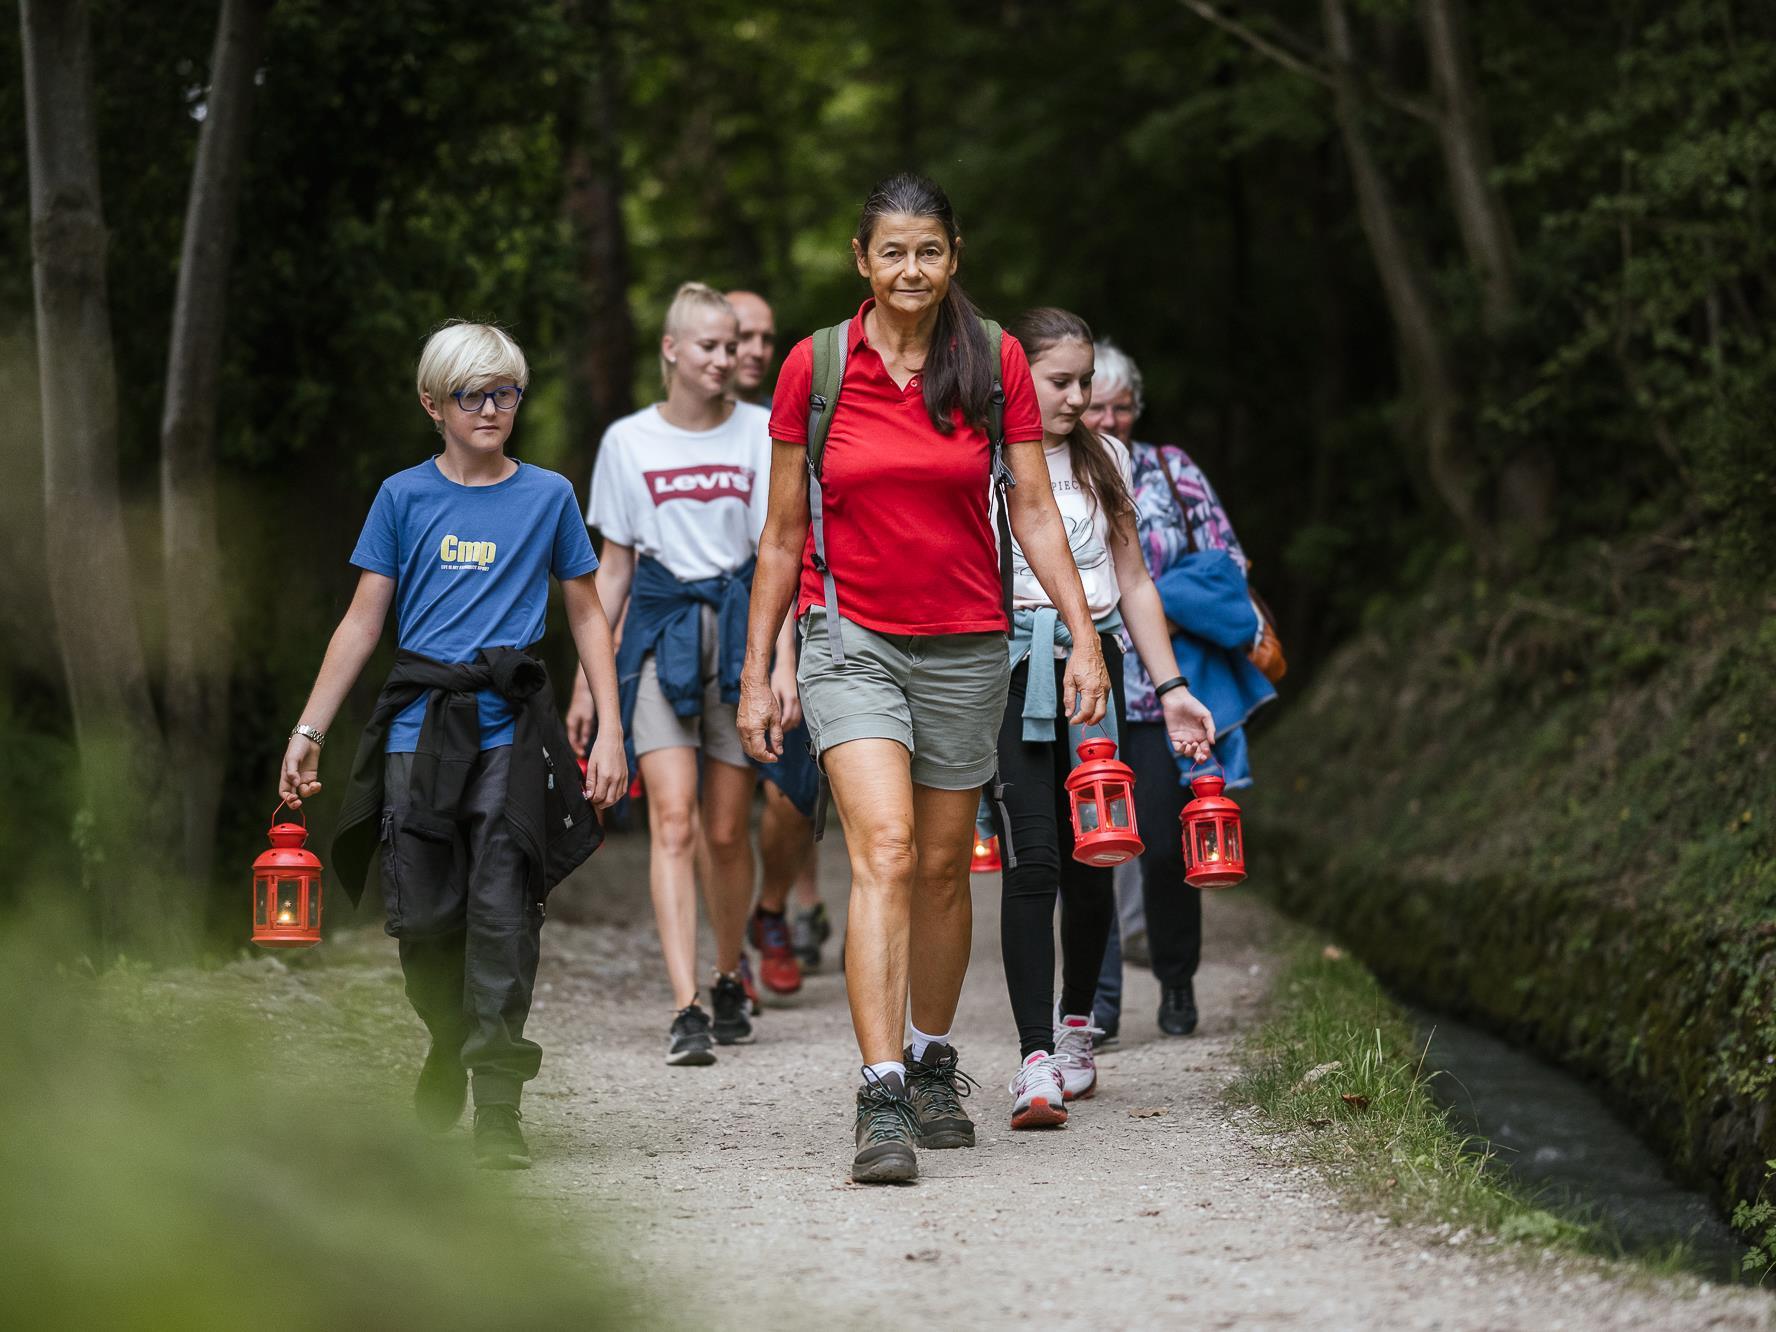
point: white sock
(883, 1069)
(924, 1040)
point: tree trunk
(1430, 375)
(199, 634)
(1466, 142)
(1525, 480)
(121, 754)
(601, 356)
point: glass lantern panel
(1119, 811)
(261, 895)
(1086, 807)
(1230, 838)
(314, 906)
(289, 902)
(1208, 847)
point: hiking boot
(887, 1127)
(1109, 1027)
(441, 1091)
(1073, 1056)
(690, 1043)
(1038, 1099)
(936, 1087)
(744, 972)
(768, 932)
(728, 998)
(807, 932)
(1177, 1010)
(499, 1142)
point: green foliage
(1755, 1218)
(227, 1148)
(1338, 1066)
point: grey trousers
(469, 923)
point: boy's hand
(299, 778)
(579, 719)
(1188, 725)
(607, 770)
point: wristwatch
(308, 732)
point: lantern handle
(294, 809)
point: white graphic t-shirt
(692, 499)
(1088, 532)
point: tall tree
(601, 334)
(121, 752)
(199, 637)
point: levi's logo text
(455, 553)
(712, 481)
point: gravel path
(726, 1194)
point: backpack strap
(1003, 480)
(831, 346)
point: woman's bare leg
(873, 791)
(671, 779)
(786, 848)
(943, 909)
(727, 820)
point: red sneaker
(778, 967)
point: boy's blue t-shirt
(471, 566)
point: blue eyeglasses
(505, 398)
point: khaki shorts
(656, 726)
(939, 695)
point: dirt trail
(727, 1195)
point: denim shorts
(940, 695)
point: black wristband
(1176, 682)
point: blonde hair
(690, 298)
(463, 355)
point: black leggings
(1174, 908)
(1035, 775)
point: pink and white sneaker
(1038, 1100)
(1073, 1055)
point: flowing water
(1557, 1134)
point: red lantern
(287, 889)
(1102, 789)
(1214, 850)
(985, 859)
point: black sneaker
(442, 1090)
(691, 1042)
(807, 931)
(499, 1142)
(728, 998)
(1177, 1010)
(936, 1087)
(887, 1127)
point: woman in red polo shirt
(904, 686)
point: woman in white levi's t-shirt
(680, 487)
(1090, 476)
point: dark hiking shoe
(807, 931)
(499, 1143)
(936, 1087)
(1111, 1025)
(887, 1127)
(690, 1042)
(728, 998)
(1177, 1010)
(442, 1090)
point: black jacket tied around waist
(545, 808)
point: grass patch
(1339, 1067)
(229, 1147)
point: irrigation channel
(1556, 1134)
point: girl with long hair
(1089, 475)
